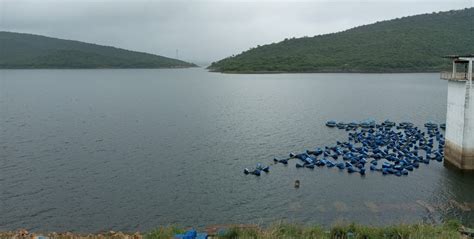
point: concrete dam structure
(459, 148)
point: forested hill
(408, 44)
(19, 50)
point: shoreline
(97, 68)
(448, 229)
(320, 72)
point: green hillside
(408, 44)
(19, 50)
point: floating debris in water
(388, 148)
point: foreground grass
(449, 230)
(342, 231)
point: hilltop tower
(459, 148)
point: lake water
(90, 150)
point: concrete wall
(459, 149)
(468, 142)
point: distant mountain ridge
(23, 51)
(408, 44)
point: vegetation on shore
(28, 51)
(407, 44)
(450, 229)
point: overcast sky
(203, 31)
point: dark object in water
(404, 125)
(283, 161)
(297, 183)
(431, 125)
(341, 125)
(351, 170)
(340, 165)
(331, 123)
(258, 170)
(330, 164)
(404, 172)
(316, 152)
(368, 124)
(310, 165)
(260, 167)
(388, 123)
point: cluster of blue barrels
(388, 148)
(258, 170)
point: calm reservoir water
(90, 150)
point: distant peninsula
(28, 51)
(407, 44)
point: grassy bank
(451, 229)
